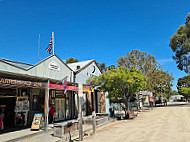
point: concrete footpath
(27, 135)
(22, 134)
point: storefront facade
(17, 101)
(82, 72)
(23, 91)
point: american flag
(64, 83)
(49, 48)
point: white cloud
(165, 61)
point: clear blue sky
(102, 30)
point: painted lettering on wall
(21, 82)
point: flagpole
(39, 47)
(53, 41)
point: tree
(174, 92)
(180, 45)
(183, 86)
(185, 91)
(121, 83)
(71, 60)
(144, 62)
(164, 81)
(111, 67)
(103, 67)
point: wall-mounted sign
(61, 87)
(54, 66)
(17, 82)
(86, 89)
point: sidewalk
(18, 135)
(27, 135)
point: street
(162, 124)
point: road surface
(162, 124)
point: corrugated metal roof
(17, 64)
(82, 64)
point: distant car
(158, 100)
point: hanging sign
(36, 121)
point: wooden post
(80, 93)
(80, 120)
(94, 113)
(46, 108)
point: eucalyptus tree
(144, 62)
(180, 45)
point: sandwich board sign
(36, 121)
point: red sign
(60, 87)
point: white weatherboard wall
(91, 70)
(43, 69)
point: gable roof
(26, 66)
(82, 65)
(19, 65)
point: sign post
(80, 92)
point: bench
(64, 129)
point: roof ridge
(15, 61)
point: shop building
(82, 72)
(23, 89)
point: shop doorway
(9, 115)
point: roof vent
(78, 67)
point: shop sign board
(61, 87)
(54, 66)
(86, 89)
(36, 121)
(18, 82)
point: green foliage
(180, 45)
(71, 60)
(183, 86)
(104, 68)
(184, 81)
(166, 95)
(147, 64)
(121, 83)
(174, 92)
(185, 91)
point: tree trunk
(126, 109)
